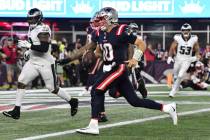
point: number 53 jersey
(185, 48)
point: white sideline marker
(115, 124)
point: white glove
(193, 59)
(169, 60)
(23, 44)
(26, 55)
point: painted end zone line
(116, 124)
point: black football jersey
(114, 44)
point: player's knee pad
(179, 77)
(181, 74)
(21, 85)
(22, 79)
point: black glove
(63, 61)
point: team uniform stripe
(120, 29)
(97, 32)
(111, 78)
(95, 67)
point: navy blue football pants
(117, 78)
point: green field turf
(190, 127)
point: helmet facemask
(33, 21)
(186, 33)
(107, 16)
(34, 17)
(133, 28)
(103, 23)
(186, 30)
(94, 22)
(135, 31)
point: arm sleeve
(176, 37)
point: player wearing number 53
(185, 50)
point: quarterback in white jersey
(40, 62)
(182, 48)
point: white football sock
(175, 87)
(93, 124)
(177, 83)
(166, 108)
(19, 97)
(62, 94)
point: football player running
(137, 79)
(41, 62)
(183, 47)
(114, 40)
(93, 64)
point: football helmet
(94, 21)
(107, 16)
(199, 66)
(133, 28)
(34, 17)
(186, 29)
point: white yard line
(115, 124)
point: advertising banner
(125, 8)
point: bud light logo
(141, 7)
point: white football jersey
(36, 57)
(185, 48)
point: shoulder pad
(177, 36)
(43, 28)
(194, 37)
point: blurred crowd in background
(72, 74)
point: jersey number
(185, 50)
(107, 51)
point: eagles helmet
(107, 16)
(186, 29)
(133, 28)
(34, 17)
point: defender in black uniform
(113, 40)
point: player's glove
(193, 59)
(169, 60)
(23, 44)
(63, 61)
(26, 55)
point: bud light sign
(125, 8)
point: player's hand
(63, 61)
(24, 44)
(169, 60)
(26, 55)
(132, 62)
(194, 58)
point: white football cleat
(171, 96)
(88, 130)
(172, 113)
